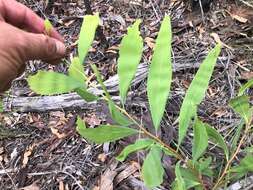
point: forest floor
(41, 150)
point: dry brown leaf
(112, 50)
(247, 75)
(128, 171)
(239, 18)
(241, 14)
(61, 185)
(57, 121)
(33, 186)
(150, 42)
(106, 182)
(57, 134)
(93, 120)
(58, 114)
(102, 157)
(67, 24)
(219, 112)
(212, 91)
(27, 153)
(217, 39)
(201, 31)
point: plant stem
(219, 181)
(177, 155)
(150, 135)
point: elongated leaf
(117, 116)
(190, 184)
(245, 87)
(129, 57)
(152, 169)
(179, 183)
(188, 174)
(138, 145)
(200, 139)
(245, 166)
(106, 133)
(203, 166)
(190, 179)
(50, 83)
(1, 105)
(100, 81)
(87, 96)
(217, 138)
(241, 106)
(76, 70)
(80, 125)
(48, 27)
(168, 152)
(196, 91)
(87, 34)
(160, 73)
(236, 137)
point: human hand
(22, 39)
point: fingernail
(60, 48)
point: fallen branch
(72, 101)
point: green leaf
(203, 166)
(50, 83)
(80, 125)
(87, 96)
(189, 178)
(190, 184)
(106, 133)
(249, 150)
(100, 81)
(168, 152)
(1, 105)
(179, 183)
(87, 34)
(200, 139)
(48, 27)
(160, 73)
(216, 136)
(188, 174)
(245, 87)
(76, 70)
(241, 106)
(204, 163)
(117, 116)
(236, 137)
(152, 169)
(138, 145)
(245, 166)
(129, 57)
(196, 91)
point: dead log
(72, 101)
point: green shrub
(190, 172)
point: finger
(5, 87)
(21, 16)
(21, 70)
(53, 61)
(6, 77)
(43, 47)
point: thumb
(40, 46)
